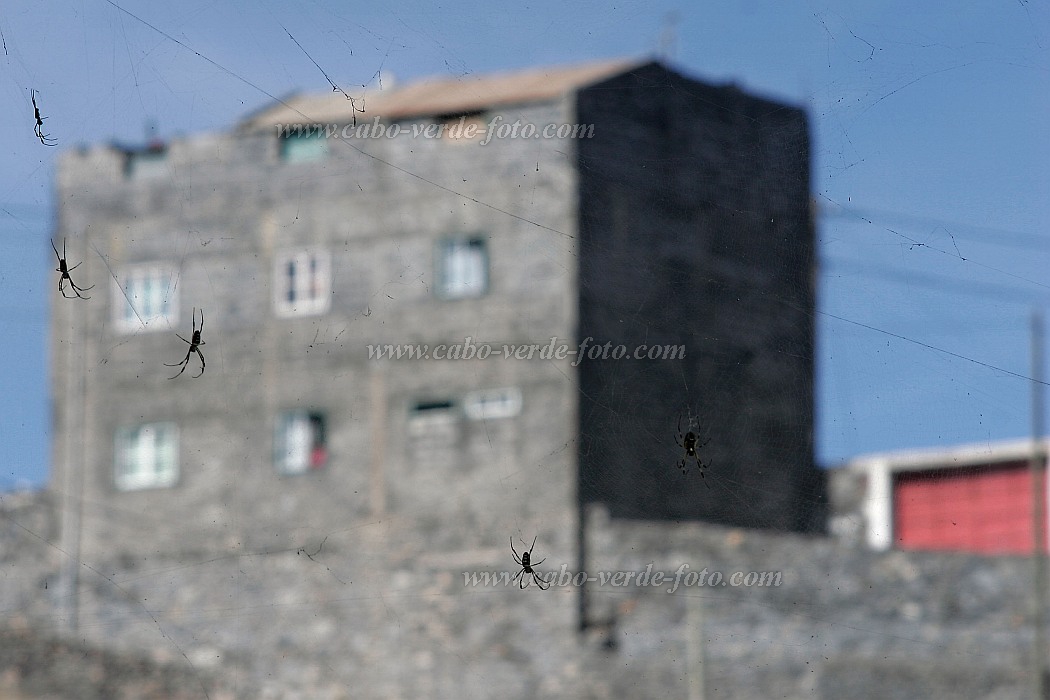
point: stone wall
(844, 621)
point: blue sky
(930, 155)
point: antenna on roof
(153, 139)
(386, 81)
(668, 47)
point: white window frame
(294, 149)
(455, 258)
(294, 441)
(321, 283)
(147, 164)
(490, 404)
(455, 127)
(433, 424)
(152, 291)
(146, 456)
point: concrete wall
(216, 565)
(227, 205)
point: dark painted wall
(695, 230)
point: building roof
(437, 96)
(980, 453)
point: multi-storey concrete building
(617, 203)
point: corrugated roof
(438, 96)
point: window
(462, 128)
(300, 444)
(304, 146)
(492, 403)
(302, 283)
(431, 408)
(146, 456)
(433, 420)
(149, 162)
(463, 268)
(148, 295)
(433, 436)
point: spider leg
(56, 250)
(517, 559)
(62, 288)
(181, 370)
(524, 582)
(541, 582)
(177, 364)
(517, 575)
(70, 269)
(77, 290)
(183, 340)
(537, 563)
(702, 467)
(200, 355)
(182, 364)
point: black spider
(65, 273)
(691, 444)
(38, 128)
(526, 564)
(193, 347)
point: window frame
(312, 133)
(319, 444)
(147, 163)
(455, 125)
(445, 248)
(122, 293)
(311, 306)
(493, 404)
(128, 440)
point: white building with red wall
(973, 498)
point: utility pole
(694, 620)
(1037, 467)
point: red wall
(986, 509)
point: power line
(956, 229)
(939, 283)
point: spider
(65, 273)
(526, 564)
(38, 128)
(193, 346)
(690, 443)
